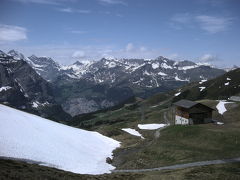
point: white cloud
(129, 47)
(12, 33)
(213, 24)
(68, 54)
(67, 10)
(112, 2)
(208, 58)
(78, 54)
(210, 24)
(71, 10)
(182, 18)
(173, 56)
(142, 48)
(78, 32)
(50, 2)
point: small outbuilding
(190, 112)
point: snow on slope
(30, 137)
(132, 132)
(221, 107)
(177, 94)
(5, 88)
(202, 88)
(151, 126)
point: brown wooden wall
(199, 109)
(182, 112)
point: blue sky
(67, 30)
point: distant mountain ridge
(155, 70)
(88, 86)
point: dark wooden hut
(190, 112)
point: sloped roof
(187, 104)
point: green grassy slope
(217, 88)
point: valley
(170, 144)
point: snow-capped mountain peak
(3, 54)
(16, 55)
(78, 63)
(45, 66)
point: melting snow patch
(154, 106)
(202, 81)
(202, 88)
(112, 65)
(228, 79)
(35, 104)
(132, 132)
(165, 66)
(221, 107)
(226, 84)
(151, 126)
(155, 65)
(162, 74)
(178, 79)
(220, 123)
(177, 94)
(146, 73)
(5, 88)
(187, 67)
(30, 137)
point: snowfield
(29, 137)
(151, 126)
(132, 132)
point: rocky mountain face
(141, 77)
(22, 88)
(82, 96)
(88, 86)
(141, 73)
(45, 66)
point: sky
(70, 30)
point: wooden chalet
(190, 112)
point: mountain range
(89, 86)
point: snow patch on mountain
(187, 67)
(165, 66)
(133, 132)
(151, 126)
(178, 79)
(5, 88)
(155, 65)
(202, 81)
(202, 88)
(30, 137)
(177, 94)
(161, 74)
(221, 106)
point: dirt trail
(179, 166)
(166, 121)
